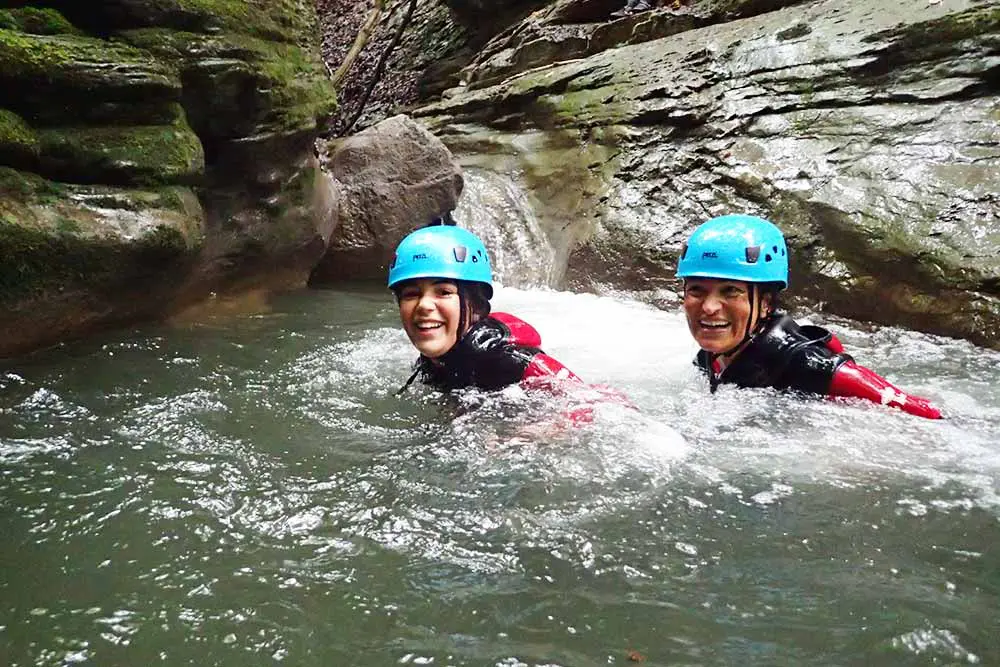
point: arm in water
(854, 381)
(545, 372)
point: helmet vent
(753, 254)
(767, 257)
(461, 252)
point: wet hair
(774, 291)
(476, 298)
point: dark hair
(774, 291)
(476, 297)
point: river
(248, 490)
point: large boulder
(172, 139)
(867, 130)
(392, 178)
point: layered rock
(867, 130)
(152, 152)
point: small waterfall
(497, 208)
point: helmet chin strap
(754, 323)
(463, 316)
(463, 309)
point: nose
(711, 304)
(425, 303)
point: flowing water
(248, 490)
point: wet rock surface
(175, 140)
(866, 130)
(391, 178)
(152, 153)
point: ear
(766, 304)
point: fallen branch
(359, 42)
(380, 67)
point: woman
(442, 280)
(733, 268)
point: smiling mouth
(429, 326)
(713, 326)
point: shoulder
(500, 330)
(519, 331)
(805, 356)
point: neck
(729, 357)
(761, 314)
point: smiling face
(430, 310)
(718, 312)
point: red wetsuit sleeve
(521, 333)
(549, 373)
(834, 344)
(542, 365)
(852, 380)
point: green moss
(26, 187)
(287, 86)
(51, 242)
(41, 262)
(39, 21)
(79, 62)
(7, 20)
(17, 139)
(141, 155)
(946, 30)
(22, 188)
(301, 91)
(67, 226)
(281, 20)
(174, 45)
(587, 107)
(290, 21)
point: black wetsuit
(782, 355)
(488, 357)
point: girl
(443, 284)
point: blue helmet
(442, 251)
(736, 247)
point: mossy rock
(291, 21)
(143, 155)
(18, 142)
(944, 32)
(37, 21)
(60, 79)
(236, 85)
(62, 237)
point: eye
(694, 291)
(732, 292)
(409, 293)
(446, 290)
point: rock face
(151, 152)
(392, 178)
(868, 130)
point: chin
(432, 350)
(716, 346)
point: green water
(249, 491)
